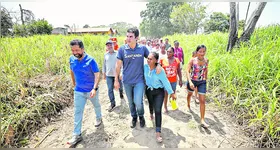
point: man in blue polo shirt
(85, 77)
(131, 57)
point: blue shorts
(173, 86)
(201, 86)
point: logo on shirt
(132, 55)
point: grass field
(244, 82)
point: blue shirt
(133, 60)
(155, 81)
(83, 72)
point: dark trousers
(155, 99)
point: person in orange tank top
(171, 66)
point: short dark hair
(199, 47)
(133, 30)
(77, 42)
(172, 48)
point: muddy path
(180, 128)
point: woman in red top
(171, 66)
(198, 67)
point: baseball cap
(109, 42)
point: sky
(81, 12)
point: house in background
(60, 30)
(94, 31)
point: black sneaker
(133, 123)
(111, 108)
(142, 121)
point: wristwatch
(96, 89)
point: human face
(201, 53)
(110, 47)
(130, 38)
(163, 48)
(170, 53)
(77, 51)
(176, 45)
(151, 60)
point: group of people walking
(126, 70)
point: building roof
(86, 30)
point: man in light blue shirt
(109, 72)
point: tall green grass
(25, 61)
(246, 81)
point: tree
(188, 17)
(121, 27)
(156, 19)
(217, 22)
(233, 32)
(220, 22)
(40, 26)
(26, 16)
(6, 22)
(86, 26)
(249, 28)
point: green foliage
(24, 105)
(40, 26)
(217, 22)
(6, 22)
(245, 82)
(121, 27)
(156, 19)
(188, 17)
(220, 22)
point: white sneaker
(98, 122)
(75, 139)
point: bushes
(36, 27)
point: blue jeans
(110, 84)
(134, 93)
(80, 99)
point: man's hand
(92, 93)
(116, 84)
(104, 76)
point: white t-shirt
(161, 56)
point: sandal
(204, 125)
(151, 117)
(196, 101)
(159, 139)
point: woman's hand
(191, 85)
(173, 96)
